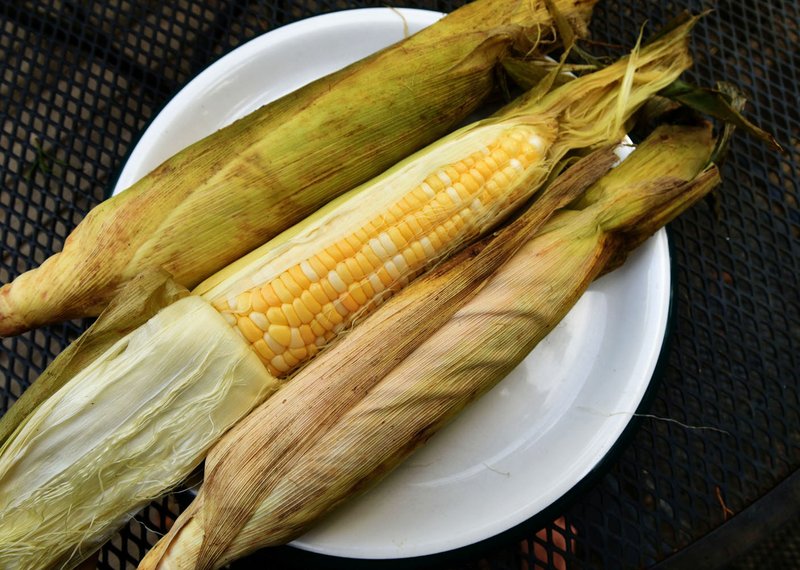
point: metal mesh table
(711, 468)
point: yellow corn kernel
(324, 321)
(291, 286)
(302, 311)
(397, 237)
(257, 301)
(273, 344)
(299, 353)
(330, 312)
(316, 327)
(410, 258)
(299, 277)
(291, 315)
(315, 263)
(318, 293)
(349, 303)
(281, 292)
(372, 258)
(280, 365)
(311, 302)
(354, 268)
(281, 334)
(337, 304)
(276, 316)
(296, 341)
(307, 334)
(366, 286)
(250, 331)
(343, 274)
(260, 320)
(356, 291)
(354, 242)
(327, 260)
(263, 350)
(330, 292)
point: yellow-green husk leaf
(230, 192)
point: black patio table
(709, 468)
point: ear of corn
(297, 295)
(292, 295)
(228, 193)
(163, 400)
(338, 426)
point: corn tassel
(537, 133)
(225, 195)
(354, 413)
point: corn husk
(359, 409)
(226, 194)
(129, 425)
(139, 301)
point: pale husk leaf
(122, 431)
(139, 300)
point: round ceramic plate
(544, 427)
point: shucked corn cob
(383, 221)
(298, 456)
(227, 194)
(296, 311)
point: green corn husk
(359, 409)
(228, 193)
(589, 111)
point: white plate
(543, 428)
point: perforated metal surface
(81, 79)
